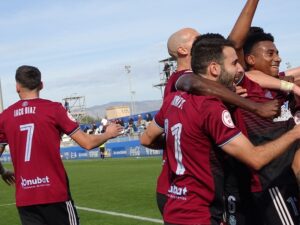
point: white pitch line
(121, 214)
(110, 213)
(7, 204)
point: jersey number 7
(30, 129)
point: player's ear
(18, 87)
(250, 60)
(41, 86)
(182, 51)
(214, 69)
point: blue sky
(82, 46)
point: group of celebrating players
(227, 126)
(228, 159)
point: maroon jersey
(261, 130)
(163, 180)
(195, 128)
(257, 125)
(171, 84)
(33, 128)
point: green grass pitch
(118, 185)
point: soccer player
(32, 127)
(197, 129)
(274, 188)
(179, 47)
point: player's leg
(62, 213)
(30, 215)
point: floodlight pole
(131, 92)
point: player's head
(180, 43)
(29, 78)
(215, 58)
(261, 52)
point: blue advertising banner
(129, 149)
(114, 150)
(5, 157)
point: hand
(268, 109)
(114, 130)
(241, 91)
(8, 177)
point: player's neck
(183, 64)
(28, 95)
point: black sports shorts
(61, 213)
(161, 200)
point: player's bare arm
(240, 30)
(295, 73)
(7, 176)
(90, 141)
(267, 81)
(201, 86)
(152, 137)
(258, 156)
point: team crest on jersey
(226, 119)
(71, 117)
(24, 104)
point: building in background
(117, 112)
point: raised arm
(240, 29)
(201, 86)
(90, 141)
(258, 156)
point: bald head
(180, 43)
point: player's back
(193, 125)
(32, 129)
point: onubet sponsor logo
(35, 182)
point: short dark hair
(29, 77)
(255, 35)
(207, 48)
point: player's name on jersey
(24, 111)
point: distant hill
(98, 111)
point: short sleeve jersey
(163, 180)
(195, 128)
(33, 128)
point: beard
(226, 79)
